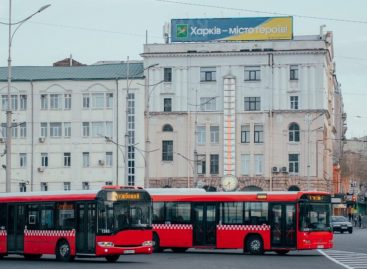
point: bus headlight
(105, 244)
(147, 243)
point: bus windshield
(315, 216)
(122, 215)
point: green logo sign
(182, 30)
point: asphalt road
(345, 245)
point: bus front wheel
(156, 244)
(112, 258)
(63, 251)
(255, 245)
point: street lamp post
(9, 108)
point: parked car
(341, 224)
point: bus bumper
(147, 248)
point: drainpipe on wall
(32, 136)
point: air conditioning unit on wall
(275, 169)
(101, 162)
(41, 139)
(284, 169)
(41, 169)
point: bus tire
(179, 250)
(112, 258)
(156, 244)
(255, 245)
(281, 251)
(32, 256)
(63, 251)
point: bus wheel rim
(255, 245)
(64, 250)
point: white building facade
(262, 111)
(70, 126)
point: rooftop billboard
(231, 29)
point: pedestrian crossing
(347, 259)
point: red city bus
(254, 222)
(99, 223)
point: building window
(14, 102)
(67, 159)
(245, 164)
(214, 164)
(201, 165)
(208, 104)
(86, 100)
(252, 103)
(98, 100)
(14, 130)
(44, 186)
(55, 101)
(167, 150)
(23, 160)
(252, 73)
(55, 129)
(293, 74)
(85, 129)
(4, 102)
(294, 102)
(109, 100)
(167, 128)
(167, 104)
(67, 186)
(44, 159)
(23, 130)
(23, 102)
(22, 187)
(167, 75)
(131, 140)
(258, 133)
(293, 132)
(109, 159)
(85, 185)
(44, 129)
(67, 129)
(214, 134)
(86, 162)
(97, 129)
(208, 74)
(44, 101)
(293, 160)
(245, 134)
(259, 164)
(67, 101)
(201, 135)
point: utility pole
(126, 169)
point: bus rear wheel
(112, 258)
(255, 245)
(63, 251)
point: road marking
(346, 259)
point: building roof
(88, 72)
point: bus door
(86, 227)
(283, 225)
(205, 217)
(16, 227)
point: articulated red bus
(254, 222)
(101, 223)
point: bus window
(256, 213)
(3, 217)
(140, 214)
(33, 217)
(158, 212)
(47, 217)
(314, 216)
(232, 212)
(65, 215)
(178, 212)
(105, 217)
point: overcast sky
(95, 30)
